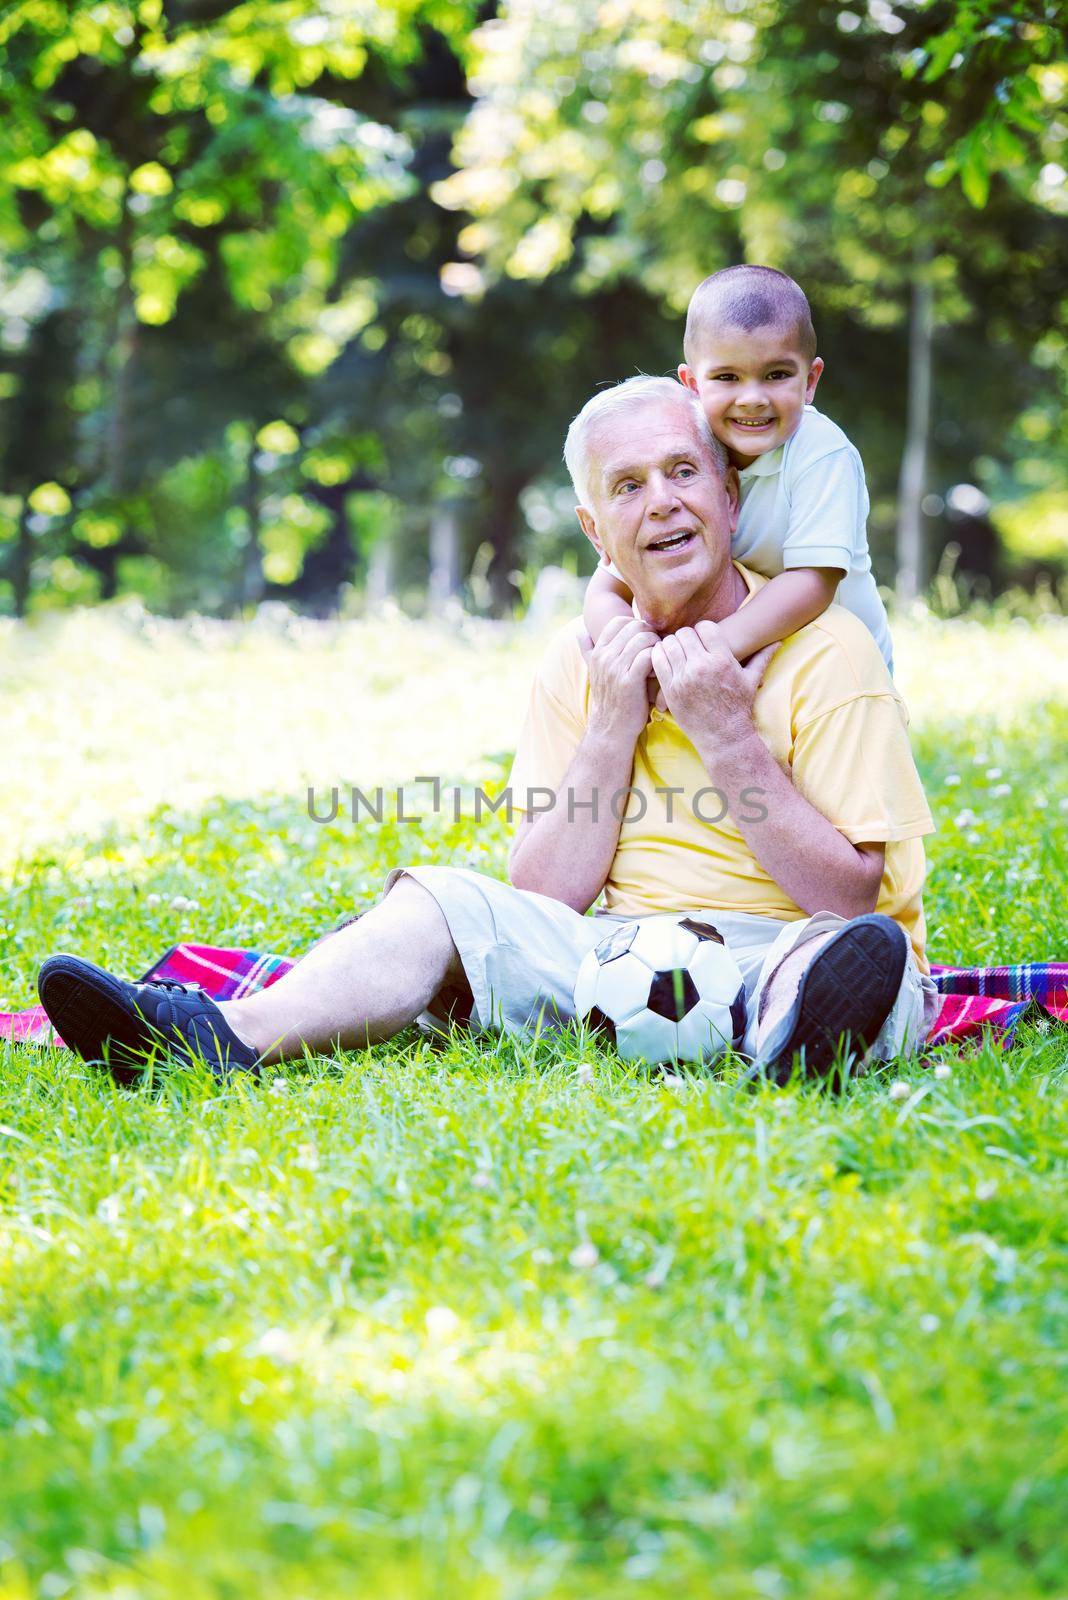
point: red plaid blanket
(973, 998)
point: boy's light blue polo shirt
(806, 505)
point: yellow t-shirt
(830, 715)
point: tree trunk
(124, 350)
(380, 571)
(502, 525)
(22, 557)
(444, 552)
(911, 554)
(253, 582)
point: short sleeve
(554, 725)
(854, 764)
(828, 503)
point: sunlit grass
(503, 1320)
(103, 719)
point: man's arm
(711, 698)
(567, 852)
(795, 844)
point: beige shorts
(521, 954)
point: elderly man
(779, 800)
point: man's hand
(567, 852)
(619, 665)
(708, 692)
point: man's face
(661, 509)
(753, 388)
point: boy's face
(753, 387)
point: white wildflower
(943, 1071)
(900, 1090)
(441, 1322)
(277, 1344)
(585, 1255)
(480, 1179)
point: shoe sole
(92, 1022)
(847, 992)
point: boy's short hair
(748, 298)
(625, 396)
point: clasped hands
(708, 692)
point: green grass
(480, 1322)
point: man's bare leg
(358, 987)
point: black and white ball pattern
(663, 989)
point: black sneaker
(846, 994)
(106, 1019)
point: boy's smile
(753, 388)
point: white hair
(627, 396)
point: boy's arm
(828, 510)
(784, 604)
(606, 597)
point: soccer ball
(663, 989)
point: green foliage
(701, 126)
(1037, 526)
(230, 154)
(1011, 60)
(418, 244)
(509, 1319)
(658, 143)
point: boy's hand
(708, 693)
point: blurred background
(296, 300)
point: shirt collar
(753, 580)
(764, 466)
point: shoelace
(170, 984)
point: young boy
(751, 359)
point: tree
(657, 142)
(302, 286)
(151, 149)
(468, 386)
